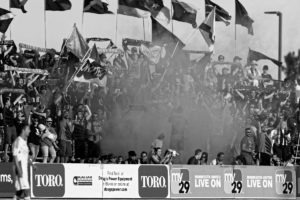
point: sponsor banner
(233, 182)
(83, 181)
(154, 181)
(48, 181)
(7, 188)
(200, 181)
(266, 182)
(298, 182)
(119, 181)
(26, 70)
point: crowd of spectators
(68, 124)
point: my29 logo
(284, 182)
(180, 179)
(233, 182)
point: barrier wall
(155, 181)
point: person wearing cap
(253, 74)
(132, 158)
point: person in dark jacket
(195, 160)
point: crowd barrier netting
(155, 181)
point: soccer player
(20, 165)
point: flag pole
(45, 27)
(116, 36)
(82, 18)
(10, 27)
(235, 32)
(175, 49)
(144, 29)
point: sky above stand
(30, 28)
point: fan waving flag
(92, 72)
(184, 12)
(242, 17)
(255, 55)
(221, 14)
(207, 29)
(76, 44)
(5, 19)
(58, 5)
(19, 4)
(96, 7)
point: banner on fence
(83, 181)
(120, 181)
(7, 188)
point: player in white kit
(20, 165)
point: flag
(92, 71)
(111, 45)
(19, 4)
(221, 13)
(144, 9)
(58, 5)
(161, 36)
(242, 17)
(255, 55)
(96, 6)
(158, 10)
(5, 19)
(133, 8)
(76, 44)
(207, 29)
(184, 12)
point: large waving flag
(5, 19)
(162, 36)
(207, 29)
(145, 9)
(58, 5)
(19, 4)
(221, 14)
(184, 12)
(242, 17)
(76, 44)
(255, 55)
(92, 72)
(133, 8)
(96, 7)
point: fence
(155, 181)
